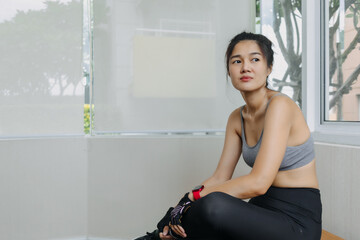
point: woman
(274, 139)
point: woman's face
(248, 68)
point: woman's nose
(245, 66)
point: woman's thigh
(221, 216)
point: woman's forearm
(209, 183)
(243, 187)
(213, 181)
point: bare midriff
(303, 177)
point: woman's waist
(304, 177)
(296, 184)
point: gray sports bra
(295, 156)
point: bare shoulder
(282, 105)
(284, 112)
(235, 115)
(234, 121)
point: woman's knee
(213, 205)
(214, 198)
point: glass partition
(159, 65)
(41, 90)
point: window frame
(315, 62)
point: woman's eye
(237, 61)
(255, 59)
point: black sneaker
(150, 236)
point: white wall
(118, 188)
(338, 170)
(43, 186)
(133, 181)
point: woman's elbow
(260, 187)
(260, 190)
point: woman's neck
(256, 100)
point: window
(342, 60)
(41, 92)
(287, 20)
(358, 105)
(281, 22)
(159, 64)
(332, 125)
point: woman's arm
(228, 160)
(231, 151)
(277, 125)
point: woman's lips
(245, 78)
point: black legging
(282, 213)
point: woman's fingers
(166, 230)
(179, 230)
(164, 237)
(165, 233)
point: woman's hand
(178, 230)
(165, 234)
(176, 216)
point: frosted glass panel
(156, 49)
(41, 90)
(159, 64)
